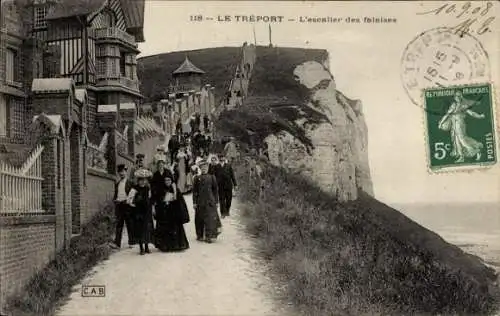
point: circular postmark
(442, 58)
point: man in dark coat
(198, 140)
(192, 124)
(214, 165)
(206, 122)
(173, 146)
(122, 209)
(208, 143)
(178, 127)
(197, 120)
(205, 197)
(226, 181)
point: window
(101, 51)
(3, 116)
(132, 71)
(112, 67)
(10, 65)
(108, 19)
(59, 150)
(123, 57)
(101, 66)
(39, 18)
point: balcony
(113, 80)
(115, 34)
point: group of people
(196, 143)
(196, 122)
(144, 196)
(150, 203)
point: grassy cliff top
(155, 72)
(358, 258)
(219, 64)
(273, 72)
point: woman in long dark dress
(142, 215)
(170, 219)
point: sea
(474, 227)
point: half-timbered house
(69, 95)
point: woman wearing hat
(171, 215)
(140, 199)
(205, 200)
(139, 164)
(182, 163)
(158, 181)
(160, 155)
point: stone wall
(100, 190)
(339, 162)
(27, 244)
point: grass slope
(155, 72)
(359, 257)
(272, 75)
(337, 258)
(53, 284)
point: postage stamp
(460, 126)
(440, 58)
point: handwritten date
(475, 15)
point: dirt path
(223, 278)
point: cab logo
(93, 291)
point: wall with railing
(27, 231)
(21, 188)
(170, 110)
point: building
(187, 96)
(187, 77)
(69, 95)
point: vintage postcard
(249, 157)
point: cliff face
(339, 162)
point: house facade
(69, 98)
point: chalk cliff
(339, 160)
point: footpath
(223, 278)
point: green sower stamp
(460, 126)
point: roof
(54, 120)
(81, 94)
(71, 8)
(188, 67)
(11, 91)
(133, 11)
(52, 85)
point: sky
(365, 60)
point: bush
(361, 257)
(50, 286)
